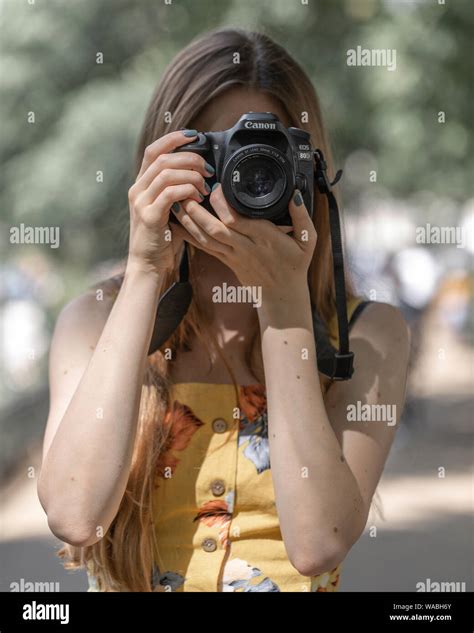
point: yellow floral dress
(215, 518)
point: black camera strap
(172, 306)
(337, 365)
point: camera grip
(200, 146)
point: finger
(178, 160)
(181, 235)
(201, 237)
(165, 144)
(169, 177)
(157, 213)
(182, 232)
(212, 225)
(228, 215)
(222, 257)
(303, 227)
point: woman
(156, 471)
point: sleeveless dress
(215, 518)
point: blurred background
(76, 78)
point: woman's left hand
(259, 252)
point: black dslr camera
(259, 163)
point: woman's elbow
(75, 534)
(313, 562)
(66, 527)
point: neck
(233, 322)
(233, 326)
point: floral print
(218, 513)
(326, 582)
(183, 424)
(169, 581)
(253, 427)
(240, 576)
(252, 440)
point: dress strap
(358, 310)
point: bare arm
(326, 460)
(95, 381)
(99, 352)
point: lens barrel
(258, 181)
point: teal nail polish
(207, 188)
(190, 133)
(210, 169)
(214, 186)
(176, 207)
(297, 199)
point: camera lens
(258, 181)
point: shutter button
(218, 487)
(301, 182)
(209, 545)
(219, 425)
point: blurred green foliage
(88, 115)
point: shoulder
(380, 338)
(380, 341)
(382, 322)
(85, 309)
(88, 312)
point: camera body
(259, 163)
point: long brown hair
(122, 560)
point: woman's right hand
(165, 178)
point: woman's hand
(259, 252)
(164, 179)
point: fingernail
(297, 199)
(201, 197)
(210, 169)
(214, 186)
(176, 207)
(190, 133)
(207, 188)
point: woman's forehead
(222, 112)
